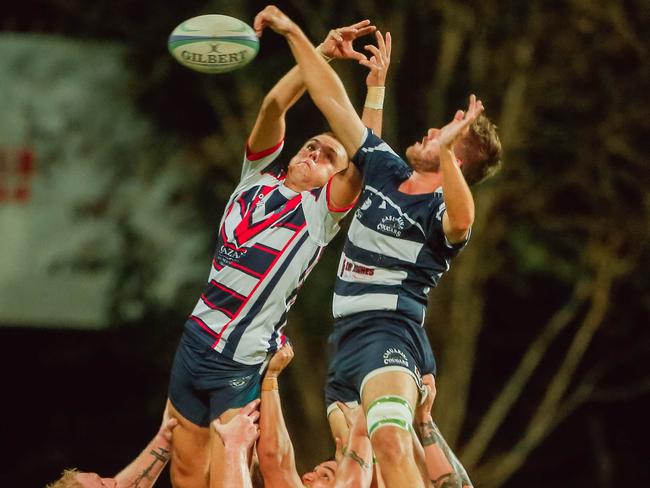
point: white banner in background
(65, 115)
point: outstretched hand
(450, 133)
(242, 430)
(379, 60)
(338, 43)
(273, 18)
(279, 361)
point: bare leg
(190, 453)
(393, 446)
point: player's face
(318, 159)
(424, 155)
(92, 480)
(322, 476)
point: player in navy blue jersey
(273, 230)
(412, 219)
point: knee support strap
(389, 410)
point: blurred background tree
(541, 328)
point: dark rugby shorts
(204, 384)
(365, 344)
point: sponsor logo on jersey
(391, 225)
(228, 255)
(395, 356)
(357, 269)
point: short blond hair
(484, 146)
(68, 479)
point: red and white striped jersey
(270, 238)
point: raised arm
(346, 185)
(269, 128)
(238, 436)
(373, 108)
(274, 449)
(355, 469)
(323, 84)
(145, 469)
(443, 467)
(459, 216)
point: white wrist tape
(319, 50)
(375, 97)
(389, 410)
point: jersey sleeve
(376, 157)
(437, 238)
(255, 163)
(322, 217)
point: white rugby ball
(213, 43)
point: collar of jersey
(287, 192)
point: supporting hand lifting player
(410, 223)
(275, 450)
(238, 436)
(443, 467)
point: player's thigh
(190, 452)
(395, 382)
(389, 399)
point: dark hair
(482, 152)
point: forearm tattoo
(160, 455)
(429, 433)
(359, 460)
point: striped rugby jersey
(395, 249)
(270, 238)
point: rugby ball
(213, 43)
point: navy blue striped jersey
(396, 250)
(270, 238)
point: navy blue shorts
(371, 343)
(204, 384)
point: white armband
(375, 97)
(319, 50)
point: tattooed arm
(443, 467)
(355, 469)
(145, 469)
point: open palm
(450, 133)
(338, 43)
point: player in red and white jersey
(272, 233)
